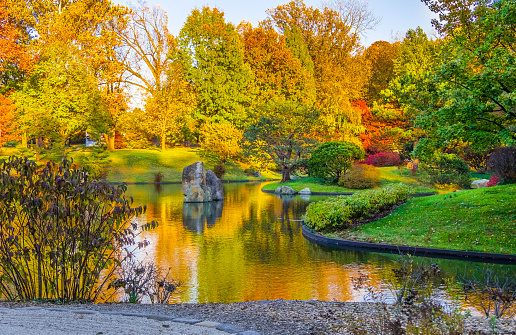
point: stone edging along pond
(400, 249)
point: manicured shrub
(340, 212)
(447, 169)
(62, 234)
(360, 176)
(333, 159)
(503, 163)
(381, 159)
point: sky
(397, 16)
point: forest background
(265, 93)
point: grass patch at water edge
(481, 220)
(141, 165)
(389, 176)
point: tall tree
(8, 124)
(169, 108)
(381, 56)
(281, 134)
(15, 58)
(339, 67)
(75, 42)
(278, 73)
(212, 56)
(147, 44)
(469, 97)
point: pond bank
(412, 250)
(273, 316)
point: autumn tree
(221, 139)
(212, 55)
(281, 134)
(169, 108)
(278, 73)
(354, 13)
(8, 131)
(15, 58)
(386, 127)
(381, 56)
(339, 68)
(75, 45)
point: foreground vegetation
(474, 220)
(138, 165)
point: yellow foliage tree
(222, 139)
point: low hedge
(340, 212)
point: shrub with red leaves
(495, 180)
(385, 158)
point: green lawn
(388, 177)
(476, 220)
(141, 165)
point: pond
(251, 247)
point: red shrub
(383, 159)
(494, 180)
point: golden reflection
(248, 247)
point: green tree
(332, 159)
(281, 134)
(471, 94)
(212, 55)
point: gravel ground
(285, 317)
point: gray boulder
(198, 193)
(215, 185)
(305, 191)
(479, 183)
(193, 175)
(284, 190)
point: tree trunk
(110, 141)
(163, 141)
(285, 173)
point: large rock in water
(215, 185)
(198, 193)
(193, 175)
(284, 190)
(480, 183)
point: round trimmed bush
(360, 176)
(447, 169)
(333, 159)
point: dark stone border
(178, 182)
(473, 256)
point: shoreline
(269, 316)
(473, 256)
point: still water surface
(250, 247)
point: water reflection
(250, 247)
(198, 215)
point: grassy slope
(477, 220)
(140, 165)
(388, 176)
